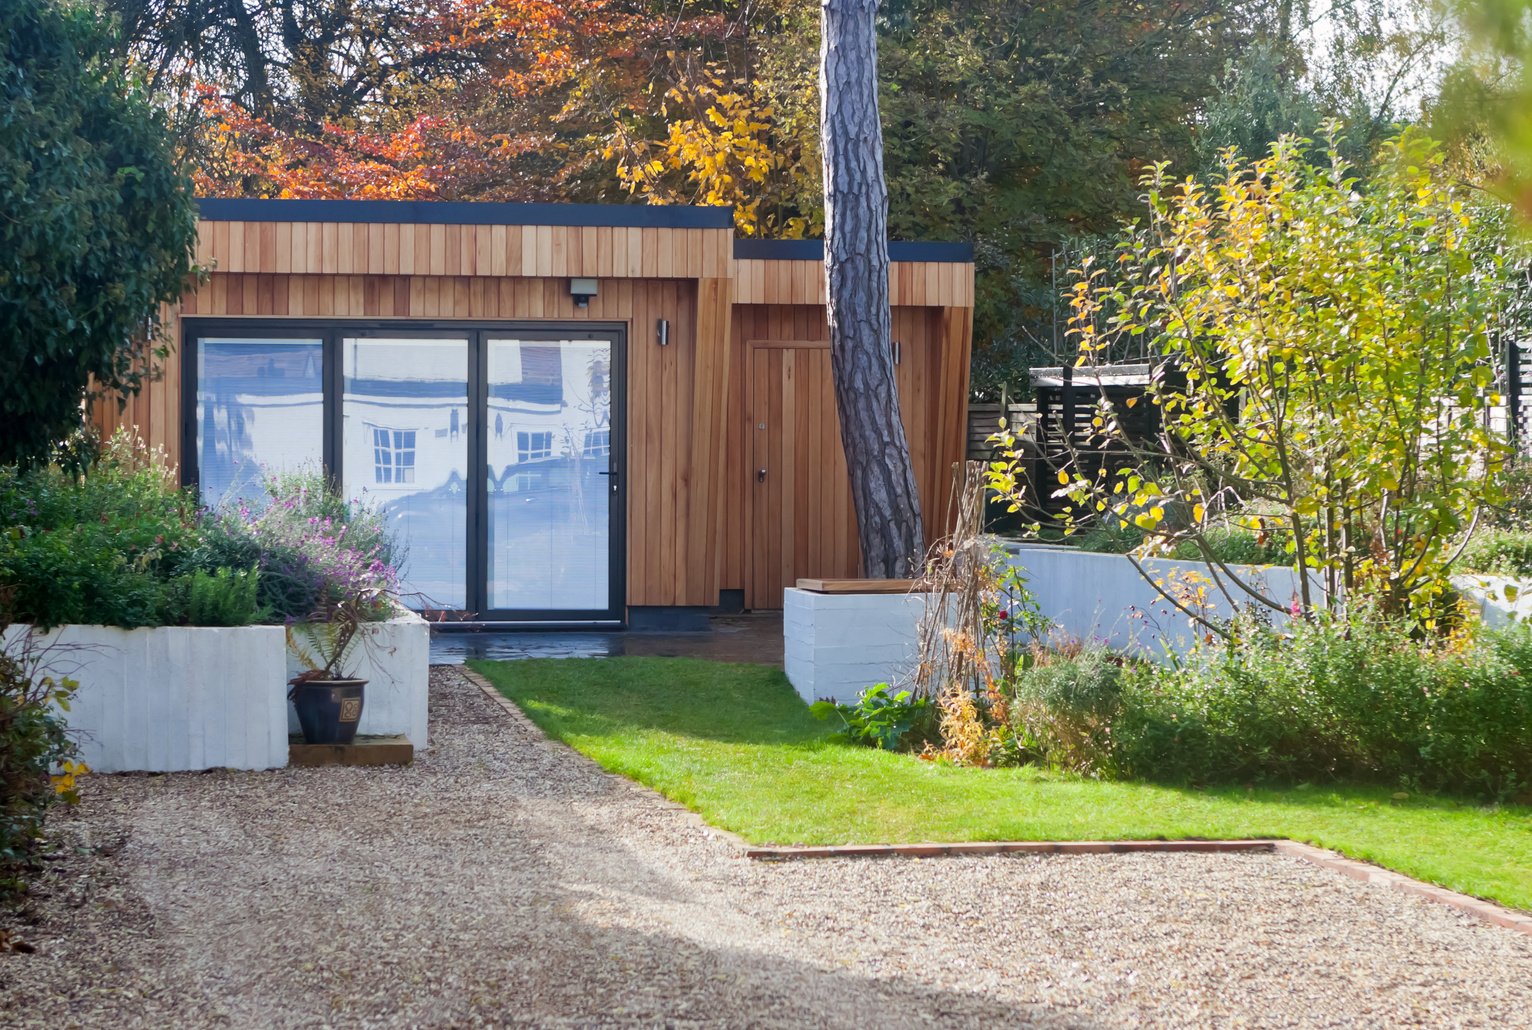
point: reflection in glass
(549, 452)
(405, 450)
(260, 408)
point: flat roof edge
(447, 212)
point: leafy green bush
(312, 548)
(880, 718)
(1325, 700)
(32, 743)
(1061, 704)
(123, 545)
(1330, 700)
(100, 219)
(1234, 545)
(224, 597)
(101, 548)
(1503, 552)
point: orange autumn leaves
(521, 94)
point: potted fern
(328, 699)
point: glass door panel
(405, 438)
(550, 483)
(260, 409)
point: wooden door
(802, 521)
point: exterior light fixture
(582, 290)
(662, 332)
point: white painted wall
(173, 699)
(837, 645)
(394, 660)
(1103, 597)
(1501, 600)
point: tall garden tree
(97, 222)
(883, 487)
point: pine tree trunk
(856, 266)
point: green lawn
(734, 743)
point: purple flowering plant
(321, 558)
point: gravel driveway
(504, 880)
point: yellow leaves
(1063, 478)
(722, 153)
(1198, 511)
(64, 780)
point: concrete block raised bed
(837, 645)
(173, 698)
(1103, 597)
(178, 698)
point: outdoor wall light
(582, 290)
(662, 332)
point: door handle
(760, 475)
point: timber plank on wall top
(747, 332)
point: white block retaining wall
(173, 698)
(837, 645)
(1501, 600)
(1102, 597)
(182, 698)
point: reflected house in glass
(664, 448)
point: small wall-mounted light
(582, 290)
(662, 332)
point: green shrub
(101, 548)
(312, 548)
(1234, 545)
(224, 597)
(1516, 511)
(880, 718)
(1328, 700)
(1108, 537)
(1061, 704)
(32, 743)
(123, 545)
(1499, 551)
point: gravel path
(503, 880)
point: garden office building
(646, 398)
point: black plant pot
(328, 710)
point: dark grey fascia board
(814, 250)
(444, 212)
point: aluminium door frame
(330, 331)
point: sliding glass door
(404, 449)
(401, 416)
(257, 409)
(551, 477)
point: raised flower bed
(182, 626)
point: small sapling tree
(1325, 371)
